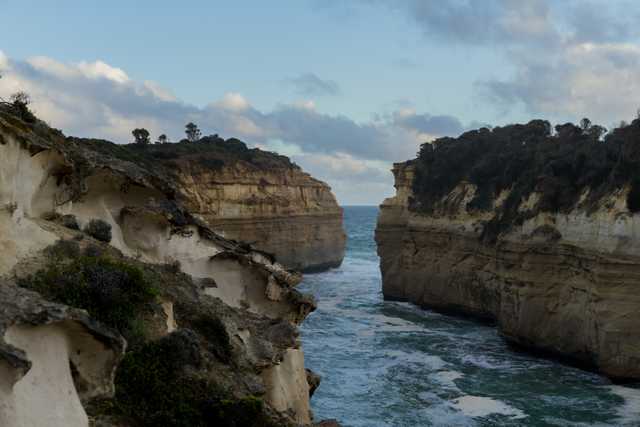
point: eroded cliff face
(55, 360)
(280, 210)
(565, 282)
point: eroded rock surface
(230, 309)
(550, 256)
(52, 358)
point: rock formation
(537, 232)
(210, 323)
(249, 195)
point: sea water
(392, 364)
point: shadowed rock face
(559, 275)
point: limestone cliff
(250, 195)
(210, 323)
(537, 232)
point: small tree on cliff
(141, 136)
(192, 131)
(20, 102)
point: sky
(343, 87)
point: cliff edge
(249, 195)
(122, 308)
(537, 231)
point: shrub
(51, 216)
(113, 292)
(99, 230)
(93, 251)
(216, 335)
(173, 266)
(63, 249)
(152, 387)
(70, 221)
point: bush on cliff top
(530, 158)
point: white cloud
(99, 69)
(233, 102)
(95, 99)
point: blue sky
(344, 87)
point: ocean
(393, 364)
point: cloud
(479, 22)
(95, 99)
(426, 124)
(309, 84)
(569, 59)
(600, 81)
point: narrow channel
(393, 364)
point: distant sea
(393, 364)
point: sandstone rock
(235, 306)
(563, 283)
(52, 359)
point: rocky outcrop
(557, 274)
(225, 313)
(279, 209)
(45, 350)
(248, 195)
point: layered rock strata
(557, 274)
(251, 353)
(279, 209)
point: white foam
(427, 361)
(629, 412)
(480, 406)
(446, 379)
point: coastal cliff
(264, 199)
(249, 195)
(534, 230)
(123, 308)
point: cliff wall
(223, 314)
(279, 209)
(249, 195)
(552, 258)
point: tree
(585, 124)
(141, 136)
(596, 132)
(20, 102)
(162, 139)
(192, 131)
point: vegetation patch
(99, 230)
(214, 331)
(560, 166)
(113, 292)
(153, 387)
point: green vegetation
(211, 152)
(20, 102)
(112, 291)
(153, 388)
(530, 158)
(141, 136)
(213, 330)
(70, 221)
(99, 230)
(192, 131)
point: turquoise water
(392, 364)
